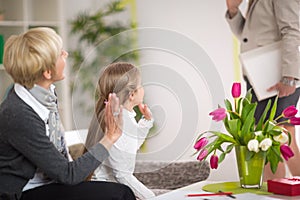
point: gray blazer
(268, 21)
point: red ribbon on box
(285, 186)
(294, 179)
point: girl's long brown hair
(121, 78)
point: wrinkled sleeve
(143, 129)
(287, 15)
(236, 23)
(30, 139)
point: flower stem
(283, 122)
(235, 104)
(279, 117)
(234, 112)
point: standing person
(124, 79)
(266, 22)
(33, 156)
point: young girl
(124, 79)
(33, 156)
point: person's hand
(113, 121)
(145, 111)
(283, 90)
(233, 7)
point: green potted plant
(254, 144)
(92, 52)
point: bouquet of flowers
(266, 135)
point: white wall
(203, 23)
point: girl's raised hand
(145, 111)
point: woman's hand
(282, 89)
(113, 121)
(233, 7)
(145, 111)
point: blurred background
(186, 52)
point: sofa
(162, 176)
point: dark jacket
(24, 147)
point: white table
(196, 188)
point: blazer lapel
(251, 6)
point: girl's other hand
(145, 111)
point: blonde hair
(28, 55)
(121, 78)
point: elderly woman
(34, 160)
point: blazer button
(245, 40)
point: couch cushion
(76, 150)
(164, 175)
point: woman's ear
(47, 74)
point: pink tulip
(201, 143)
(289, 112)
(218, 114)
(236, 90)
(202, 154)
(286, 151)
(294, 120)
(214, 161)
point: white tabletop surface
(196, 188)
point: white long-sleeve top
(119, 166)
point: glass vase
(251, 168)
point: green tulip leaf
(226, 124)
(273, 156)
(275, 132)
(224, 137)
(249, 109)
(220, 149)
(249, 123)
(290, 138)
(249, 154)
(268, 126)
(221, 157)
(233, 115)
(234, 126)
(213, 146)
(260, 138)
(239, 105)
(263, 117)
(273, 110)
(245, 102)
(229, 148)
(249, 95)
(228, 105)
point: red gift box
(285, 186)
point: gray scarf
(49, 100)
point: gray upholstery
(76, 150)
(165, 176)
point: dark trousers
(92, 190)
(282, 103)
(8, 196)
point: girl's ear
(131, 96)
(47, 74)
